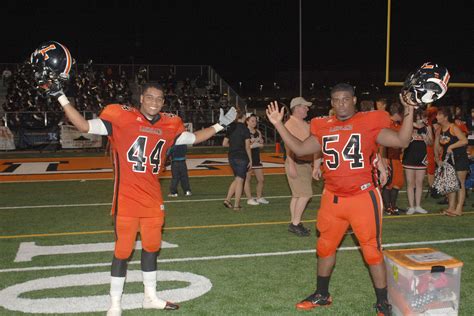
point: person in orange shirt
(393, 158)
(348, 143)
(140, 139)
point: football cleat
(383, 309)
(314, 300)
(156, 303)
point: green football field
(56, 243)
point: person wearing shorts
(298, 169)
(415, 162)
(240, 159)
(256, 143)
(451, 140)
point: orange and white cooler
(422, 282)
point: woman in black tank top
(256, 142)
(450, 139)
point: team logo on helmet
(52, 63)
(428, 83)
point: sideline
(238, 256)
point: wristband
(63, 100)
(217, 127)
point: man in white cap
(299, 168)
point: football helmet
(427, 84)
(52, 64)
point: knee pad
(151, 246)
(325, 248)
(122, 253)
(372, 255)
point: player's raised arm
(390, 138)
(70, 111)
(224, 120)
(300, 148)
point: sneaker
(314, 300)
(252, 201)
(173, 195)
(411, 211)
(383, 309)
(299, 230)
(420, 210)
(188, 193)
(262, 201)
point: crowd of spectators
(194, 99)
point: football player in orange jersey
(140, 139)
(348, 143)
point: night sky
(246, 39)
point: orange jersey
(349, 150)
(139, 151)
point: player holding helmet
(348, 143)
(140, 139)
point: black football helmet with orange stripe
(52, 64)
(427, 84)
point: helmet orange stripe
(68, 59)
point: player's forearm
(76, 118)
(204, 134)
(405, 133)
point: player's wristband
(217, 127)
(63, 100)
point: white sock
(116, 286)
(149, 282)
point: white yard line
(238, 256)
(108, 204)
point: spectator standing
(240, 158)
(415, 162)
(256, 142)
(179, 171)
(298, 168)
(393, 157)
(451, 140)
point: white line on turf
(239, 256)
(108, 204)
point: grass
(246, 285)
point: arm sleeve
(99, 127)
(186, 138)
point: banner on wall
(7, 141)
(72, 138)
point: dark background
(249, 40)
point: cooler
(423, 282)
